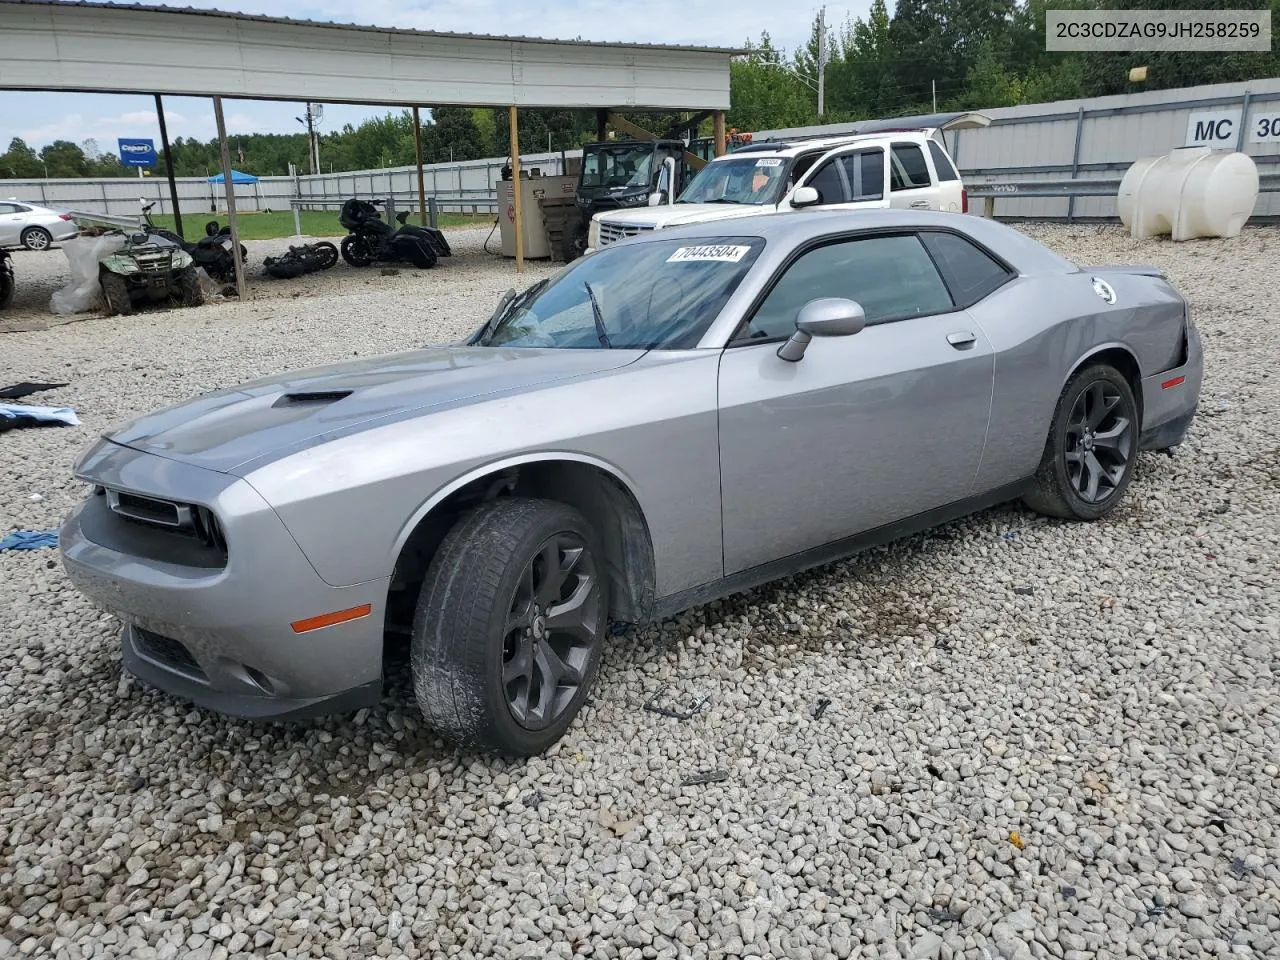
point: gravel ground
(1041, 739)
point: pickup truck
(908, 169)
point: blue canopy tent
(236, 177)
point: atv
(144, 270)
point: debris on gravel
(1122, 719)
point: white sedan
(32, 226)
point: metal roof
(408, 31)
(134, 48)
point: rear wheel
(36, 238)
(115, 290)
(355, 250)
(326, 254)
(509, 629)
(1092, 447)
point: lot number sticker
(711, 253)
(769, 162)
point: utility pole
(934, 83)
(311, 141)
(822, 56)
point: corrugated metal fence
(1095, 138)
(1100, 138)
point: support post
(1244, 120)
(422, 183)
(989, 208)
(168, 166)
(433, 213)
(229, 189)
(717, 125)
(516, 191)
(1075, 162)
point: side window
(942, 163)
(865, 172)
(802, 166)
(7, 208)
(891, 277)
(828, 184)
(909, 170)
(969, 270)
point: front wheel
(326, 254)
(355, 250)
(1092, 447)
(189, 292)
(115, 290)
(509, 629)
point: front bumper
(217, 630)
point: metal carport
(115, 48)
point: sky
(39, 118)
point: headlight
(593, 233)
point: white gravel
(1043, 739)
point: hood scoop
(311, 398)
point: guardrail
(990, 191)
(434, 205)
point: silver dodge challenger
(669, 420)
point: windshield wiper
(598, 315)
(505, 309)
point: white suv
(905, 169)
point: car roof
(791, 148)
(786, 231)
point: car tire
(486, 642)
(116, 293)
(1091, 450)
(36, 238)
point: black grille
(167, 652)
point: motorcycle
(307, 258)
(212, 251)
(372, 240)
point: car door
(864, 429)
(849, 178)
(10, 224)
(910, 185)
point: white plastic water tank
(1189, 193)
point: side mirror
(656, 199)
(824, 317)
(804, 197)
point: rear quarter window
(969, 271)
(942, 163)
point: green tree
(63, 158)
(20, 162)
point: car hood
(225, 429)
(680, 213)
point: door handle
(919, 204)
(961, 339)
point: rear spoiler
(1140, 269)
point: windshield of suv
(658, 294)
(619, 166)
(746, 179)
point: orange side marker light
(329, 619)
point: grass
(315, 223)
